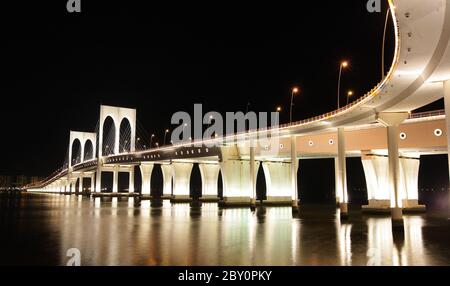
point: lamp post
(342, 66)
(165, 134)
(295, 90)
(349, 94)
(151, 139)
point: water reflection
(133, 232)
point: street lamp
(278, 108)
(343, 65)
(151, 139)
(349, 94)
(295, 90)
(165, 134)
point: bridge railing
(425, 114)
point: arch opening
(76, 152)
(88, 150)
(125, 136)
(108, 136)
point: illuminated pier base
(131, 180)
(237, 182)
(146, 175)
(181, 181)
(376, 170)
(167, 172)
(279, 189)
(210, 178)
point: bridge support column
(98, 176)
(293, 174)
(210, 178)
(447, 123)
(237, 182)
(131, 180)
(80, 183)
(181, 181)
(341, 187)
(392, 122)
(72, 183)
(376, 170)
(167, 171)
(92, 190)
(279, 189)
(146, 174)
(115, 188)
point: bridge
(380, 127)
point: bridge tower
(118, 116)
(87, 141)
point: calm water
(38, 230)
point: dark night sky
(58, 67)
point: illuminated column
(210, 178)
(167, 171)
(131, 180)
(293, 175)
(98, 179)
(146, 174)
(392, 122)
(409, 169)
(376, 171)
(80, 184)
(59, 186)
(336, 181)
(115, 188)
(279, 189)
(181, 181)
(447, 122)
(72, 182)
(342, 174)
(93, 183)
(237, 182)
